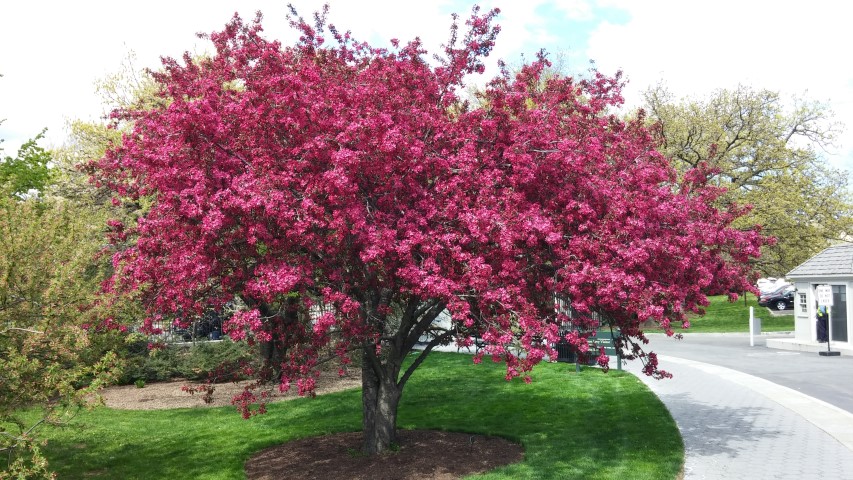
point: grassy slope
(724, 316)
(588, 425)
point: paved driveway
(826, 378)
(739, 426)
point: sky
(53, 52)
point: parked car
(781, 299)
(770, 284)
(764, 283)
(209, 325)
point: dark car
(780, 299)
(209, 325)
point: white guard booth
(830, 272)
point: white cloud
(54, 51)
(576, 9)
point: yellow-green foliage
(767, 152)
(48, 274)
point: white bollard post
(751, 327)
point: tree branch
(19, 329)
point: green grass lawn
(723, 316)
(586, 425)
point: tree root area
(422, 454)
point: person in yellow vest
(822, 324)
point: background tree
(28, 170)
(767, 154)
(346, 197)
(48, 274)
(56, 335)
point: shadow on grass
(199, 443)
(589, 425)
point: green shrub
(156, 365)
(218, 359)
(198, 361)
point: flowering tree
(347, 196)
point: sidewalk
(738, 426)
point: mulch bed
(423, 454)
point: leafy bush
(152, 366)
(200, 361)
(217, 359)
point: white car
(771, 284)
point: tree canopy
(28, 170)
(346, 196)
(767, 154)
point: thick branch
(370, 353)
(426, 318)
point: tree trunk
(382, 384)
(380, 397)
(274, 352)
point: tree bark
(273, 352)
(380, 397)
